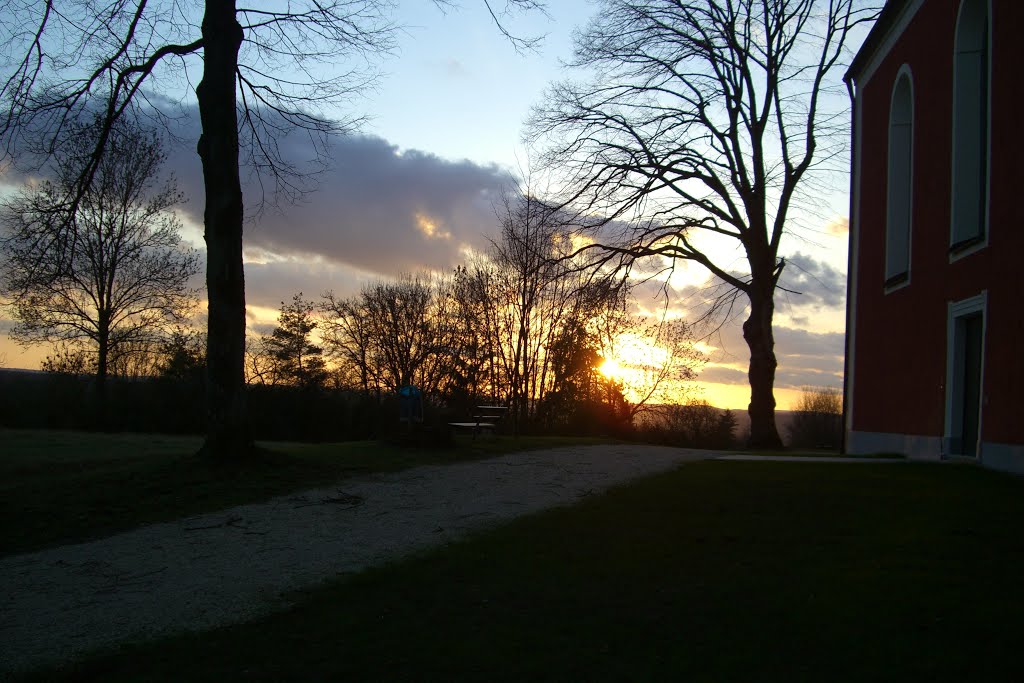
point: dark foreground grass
(720, 571)
(59, 487)
(823, 453)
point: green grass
(823, 453)
(719, 571)
(60, 487)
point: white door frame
(953, 432)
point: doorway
(965, 377)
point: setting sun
(611, 369)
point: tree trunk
(102, 354)
(228, 435)
(757, 331)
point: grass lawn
(59, 487)
(824, 453)
(719, 571)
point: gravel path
(231, 566)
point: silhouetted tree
(725, 434)
(118, 276)
(69, 360)
(182, 355)
(536, 297)
(294, 358)
(349, 342)
(696, 424)
(817, 420)
(410, 334)
(266, 70)
(702, 122)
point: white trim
(1003, 456)
(903, 72)
(853, 258)
(917, 446)
(883, 49)
(996, 456)
(889, 289)
(967, 251)
(956, 310)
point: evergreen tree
(294, 357)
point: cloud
(722, 374)
(839, 226)
(375, 208)
(808, 358)
(377, 212)
(804, 357)
(797, 378)
(790, 341)
(269, 284)
(816, 282)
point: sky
(416, 188)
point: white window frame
(896, 278)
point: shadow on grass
(59, 487)
(717, 571)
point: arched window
(970, 125)
(899, 180)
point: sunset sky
(415, 190)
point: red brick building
(935, 320)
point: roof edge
(885, 23)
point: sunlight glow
(430, 229)
(634, 362)
(611, 369)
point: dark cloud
(797, 378)
(388, 212)
(816, 282)
(374, 207)
(373, 211)
(796, 342)
(808, 358)
(722, 374)
(804, 357)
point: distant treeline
(50, 400)
(42, 400)
(174, 405)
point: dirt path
(211, 570)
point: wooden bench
(487, 417)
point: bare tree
(349, 342)
(410, 334)
(702, 122)
(265, 70)
(536, 297)
(817, 419)
(119, 276)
